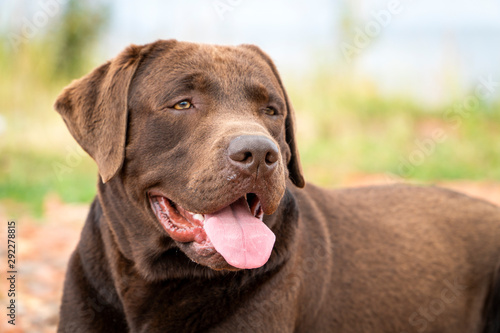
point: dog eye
(182, 105)
(270, 111)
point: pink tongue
(242, 239)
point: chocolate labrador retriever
(203, 222)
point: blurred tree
(76, 35)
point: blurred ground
(43, 249)
(45, 245)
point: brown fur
(377, 259)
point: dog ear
(294, 166)
(94, 109)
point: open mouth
(236, 231)
(181, 224)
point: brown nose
(253, 153)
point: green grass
(28, 176)
(35, 140)
(347, 129)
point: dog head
(198, 138)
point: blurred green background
(348, 127)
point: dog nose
(253, 152)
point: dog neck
(161, 275)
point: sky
(405, 45)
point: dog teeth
(199, 217)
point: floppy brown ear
(294, 166)
(94, 109)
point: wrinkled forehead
(215, 70)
